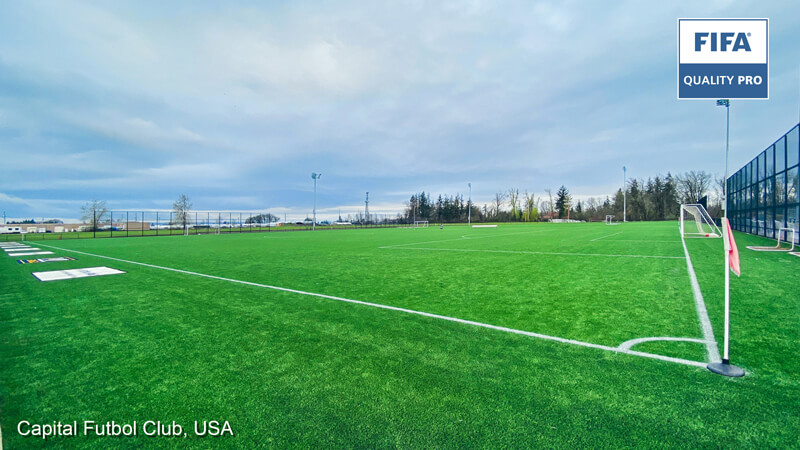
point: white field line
(603, 237)
(523, 252)
(702, 313)
(464, 237)
(627, 345)
(408, 311)
(674, 241)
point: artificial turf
(293, 370)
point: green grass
(294, 370)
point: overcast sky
(236, 103)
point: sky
(236, 103)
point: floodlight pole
(725, 367)
(469, 206)
(624, 194)
(315, 176)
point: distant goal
(420, 224)
(610, 220)
(696, 222)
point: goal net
(610, 220)
(421, 224)
(696, 222)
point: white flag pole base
(726, 368)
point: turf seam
(408, 311)
(465, 238)
(702, 313)
(523, 252)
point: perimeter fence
(113, 224)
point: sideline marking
(603, 237)
(522, 252)
(408, 311)
(702, 313)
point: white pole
(469, 206)
(725, 230)
(315, 176)
(314, 219)
(624, 194)
(725, 367)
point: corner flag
(732, 250)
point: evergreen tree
(562, 202)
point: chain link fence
(113, 224)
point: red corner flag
(732, 250)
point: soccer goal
(420, 224)
(696, 222)
(610, 220)
(781, 233)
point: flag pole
(725, 367)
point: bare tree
(552, 209)
(180, 210)
(94, 212)
(499, 199)
(513, 201)
(693, 185)
(530, 212)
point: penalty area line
(404, 310)
(603, 237)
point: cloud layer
(236, 105)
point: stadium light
(315, 176)
(624, 194)
(725, 367)
(469, 206)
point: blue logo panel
(723, 81)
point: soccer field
(520, 335)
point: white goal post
(420, 224)
(696, 222)
(779, 231)
(610, 220)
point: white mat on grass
(55, 275)
(29, 253)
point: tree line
(654, 198)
